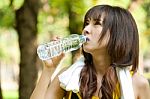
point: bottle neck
(82, 38)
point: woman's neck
(101, 62)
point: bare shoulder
(141, 86)
(140, 80)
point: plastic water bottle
(55, 48)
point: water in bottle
(55, 48)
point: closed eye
(98, 23)
(86, 22)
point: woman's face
(93, 30)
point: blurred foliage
(146, 33)
(16, 4)
(10, 94)
(4, 3)
(146, 6)
(122, 3)
(9, 51)
(56, 18)
(7, 17)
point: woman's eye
(97, 23)
(86, 23)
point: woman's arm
(40, 91)
(54, 91)
(42, 85)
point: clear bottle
(55, 48)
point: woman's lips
(87, 39)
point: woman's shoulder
(140, 80)
(141, 85)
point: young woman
(112, 42)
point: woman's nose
(87, 30)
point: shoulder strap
(74, 95)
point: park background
(24, 24)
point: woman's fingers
(56, 60)
(53, 62)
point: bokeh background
(24, 24)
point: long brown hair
(123, 48)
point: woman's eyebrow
(97, 19)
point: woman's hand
(53, 62)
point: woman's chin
(87, 50)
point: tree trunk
(1, 97)
(26, 26)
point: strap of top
(71, 96)
(74, 95)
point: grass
(10, 94)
